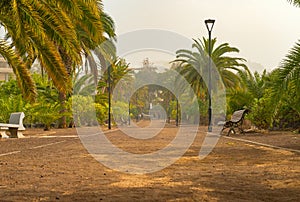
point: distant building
(5, 70)
(147, 66)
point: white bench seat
(15, 126)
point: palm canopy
(26, 83)
(225, 64)
(28, 25)
(106, 51)
(290, 69)
(288, 74)
(54, 32)
(194, 63)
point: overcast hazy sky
(263, 30)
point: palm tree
(119, 70)
(89, 32)
(287, 77)
(53, 32)
(91, 27)
(35, 29)
(194, 62)
(225, 64)
(106, 51)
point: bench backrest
(238, 116)
(17, 118)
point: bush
(261, 114)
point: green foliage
(261, 114)
(9, 104)
(295, 2)
(83, 84)
(101, 112)
(45, 113)
(11, 100)
(83, 110)
(252, 86)
(287, 77)
(120, 110)
(193, 64)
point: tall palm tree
(35, 29)
(53, 32)
(224, 63)
(89, 32)
(193, 62)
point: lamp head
(209, 24)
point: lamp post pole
(177, 117)
(209, 25)
(109, 98)
(129, 112)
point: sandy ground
(59, 168)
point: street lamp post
(209, 25)
(177, 116)
(109, 97)
(129, 112)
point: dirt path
(58, 168)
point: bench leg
(3, 134)
(231, 129)
(242, 131)
(13, 132)
(222, 130)
(20, 134)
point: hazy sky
(263, 30)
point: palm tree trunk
(63, 119)
(63, 95)
(93, 66)
(102, 63)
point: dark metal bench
(236, 121)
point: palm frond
(22, 73)
(295, 2)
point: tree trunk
(63, 95)
(63, 119)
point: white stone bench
(15, 126)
